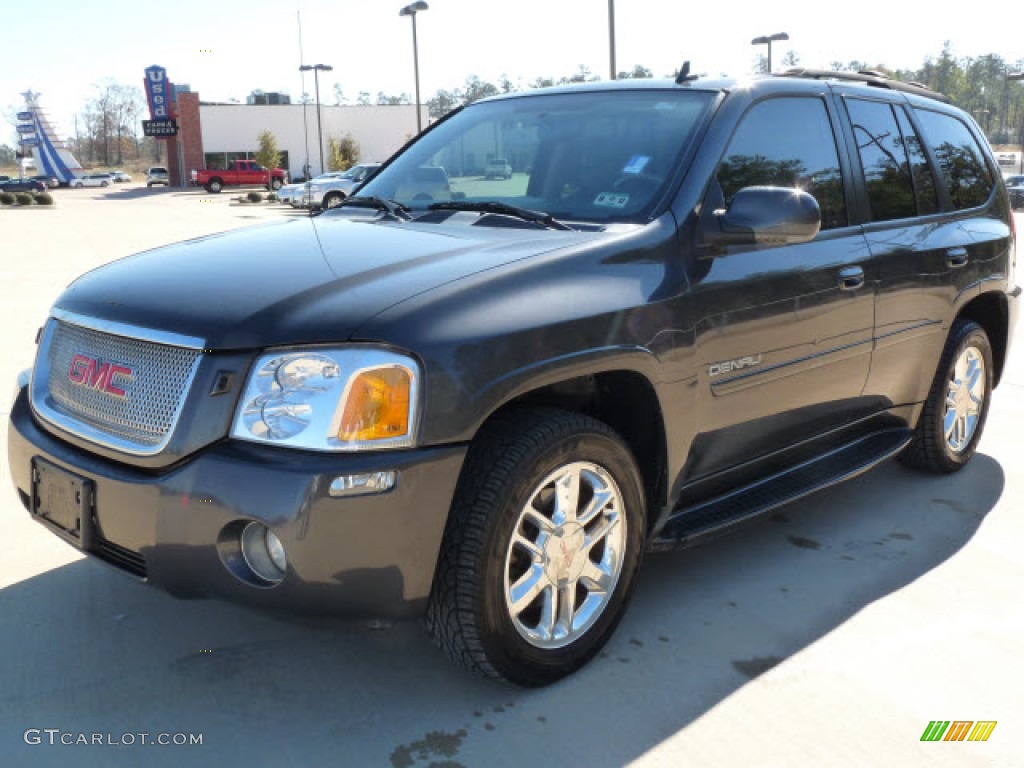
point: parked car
(21, 185)
(51, 182)
(295, 193)
(498, 168)
(1016, 197)
(240, 173)
(120, 176)
(711, 298)
(157, 175)
(92, 180)
(328, 192)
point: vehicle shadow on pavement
(90, 651)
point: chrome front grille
(74, 386)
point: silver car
(327, 194)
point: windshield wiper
(537, 217)
(396, 209)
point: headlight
(359, 398)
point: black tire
(148, 185)
(332, 200)
(507, 467)
(930, 450)
(104, 184)
(276, 184)
(214, 186)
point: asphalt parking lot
(830, 634)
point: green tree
(638, 72)
(342, 153)
(268, 155)
(6, 155)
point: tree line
(106, 131)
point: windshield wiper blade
(396, 209)
(537, 217)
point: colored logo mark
(958, 730)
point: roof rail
(869, 77)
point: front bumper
(371, 555)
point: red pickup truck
(240, 173)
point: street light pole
(317, 69)
(1019, 76)
(611, 36)
(767, 39)
(411, 10)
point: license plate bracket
(64, 502)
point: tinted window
(586, 156)
(787, 142)
(883, 160)
(920, 170)
(961, 160)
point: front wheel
(276, 184)
(953, 417)
(214, 186)
(541, 548)
(332, 199)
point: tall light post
(611, 36)
(767, 39)
(411, 10)
(317, 69)
(1019, 76)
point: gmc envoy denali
(482, 400)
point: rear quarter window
(960, 158)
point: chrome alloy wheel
(965, 397)
(565, 556)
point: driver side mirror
(765, 215)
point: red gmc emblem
(87, 372)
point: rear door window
(883, 159)
(960, 158)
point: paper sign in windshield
(636, 164)
(611, 200)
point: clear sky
(227, 48)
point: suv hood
(304, 281)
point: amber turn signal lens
(377, 407)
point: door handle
(851, 278)
(956, 258)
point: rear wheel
(541, 549)
(953, 418)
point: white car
(120, 176)
(294, 193)
(331, 192)
(92, 180)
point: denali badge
(87, 372)
(734, 365)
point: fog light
(263, 552)
(359, 485)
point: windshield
(592, 156)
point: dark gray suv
(483, 403)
